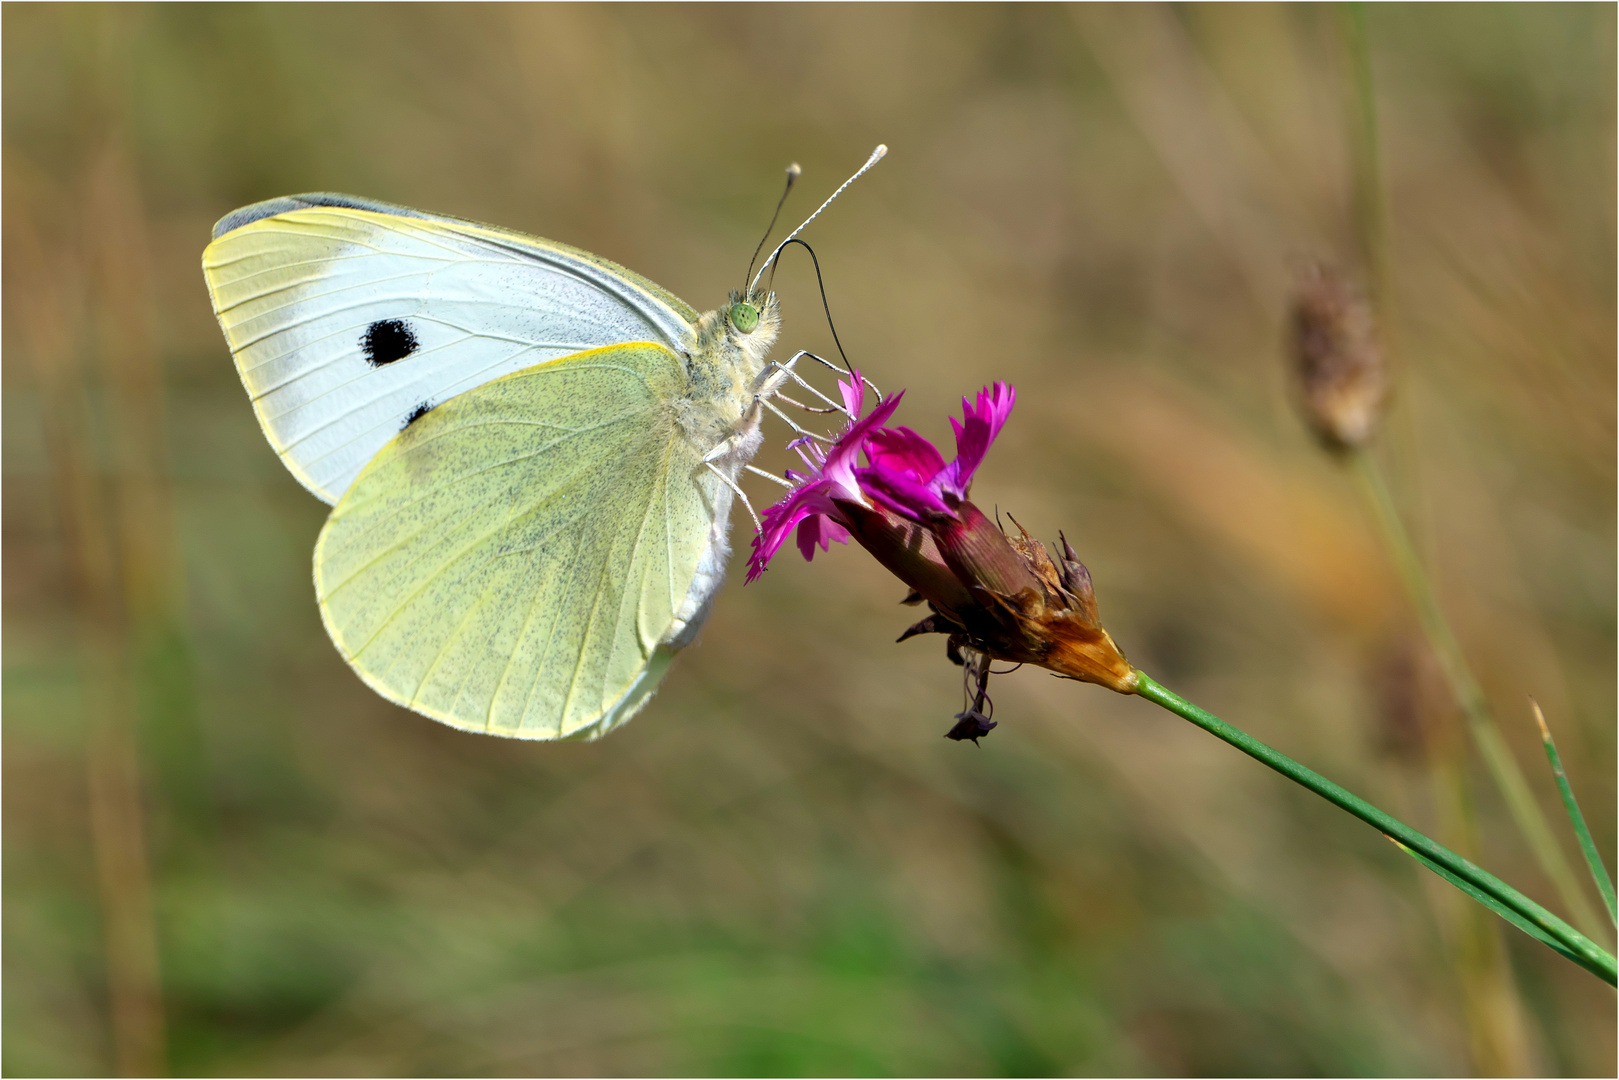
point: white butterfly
(531, 449)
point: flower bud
(1339, 362)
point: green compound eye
(744, 317)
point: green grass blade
(1479, 883)
(1503, 768)
(1492, 903)
(1593, 858)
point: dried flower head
(995, 596)
(1339, 360)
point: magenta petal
(841, 457)
(854, 393)
(809, 454)
(903, 450)
(899, 493)
(905, 475)
(983, 422)
(861, 428)
(800, 503)
(832, 474)
(822, 530)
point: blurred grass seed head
(1337, 358)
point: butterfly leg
(830, 366)
(767, 386)
(789, 422)
(806, 408)
(728, 482)
(775, 376)
(768, 476)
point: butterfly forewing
(516, 561)
(348, 318)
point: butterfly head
(752, 321)
(743, 316)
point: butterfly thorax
(724, 366)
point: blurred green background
(223, 854)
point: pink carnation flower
(904, 473)
(993, 595)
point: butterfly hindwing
(347, 317)
(520, 560)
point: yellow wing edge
(631, 702)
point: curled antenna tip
(880, 153)
(794, 171)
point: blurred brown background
(224, 855)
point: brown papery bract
(1025, 607)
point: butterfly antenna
(876, 156)
(793, 173)
(826, 306)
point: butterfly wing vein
(297, 293)
(514, 561)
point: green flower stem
(1481, 725)
(1593, 859)
(1477, 883)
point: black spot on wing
(387, 340)
(416, 414)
